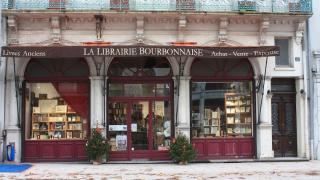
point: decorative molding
(12, 30)
(264, 26)
(140, 30)
(99, 26)
(300, 25)
(182, 25)
(223, 30)
(56, 30)
(123, 19)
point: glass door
(161, 124)
(117, 128)
(140, 125)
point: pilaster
(183, 121)
(97, 101)
(264, 124)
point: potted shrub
(97, 146)
(181, 150)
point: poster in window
(121, 142)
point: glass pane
(221, 68)
(221, 109)
(116, 90)
(56, 110)
(140, 66)
(283, 59)
(67, 67)
(134, 90)
(139, 125)
(161, 125)
(162, 90)
(117, 127)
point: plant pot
(97, 161)
(183, 162)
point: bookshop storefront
(141, 101)
(56, 109)
(222, 108)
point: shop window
(53, 68)
(221, 69)
(56, 110)
(221, 100)
(221, 109)
(139, 90)
(284, 58)
(161, 123)
(56, 99)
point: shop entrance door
(284, 136)
(139, 129)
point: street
(248, 170)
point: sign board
(134, 51)
(117, 127)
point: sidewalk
(250, 170)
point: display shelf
(209, 125)
(56, 123)
(238, 114)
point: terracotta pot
(97, 161)
(183, 162)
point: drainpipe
(4, 134)
(306, 79)
(310, 85)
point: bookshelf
(210, 126)
(238, 114)
(59, 123)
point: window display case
(58, 123)
(238, 114)
(56, 111)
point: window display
(221, 109)
(161, 125)
(117, 132)
(56, 111)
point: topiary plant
(181, 150)
(97, 146)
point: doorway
(139, 129)
(140, 108)
(284, 131)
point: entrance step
(139, 161)
(285, 159)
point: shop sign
(133, 51)
(117, 127)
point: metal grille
(274, 6)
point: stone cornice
(163, 16)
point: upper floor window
(284, 58)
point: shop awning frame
(136, 51)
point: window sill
(285, 68)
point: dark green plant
(181, 150)
(97, 145)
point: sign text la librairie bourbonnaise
(79, 51)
